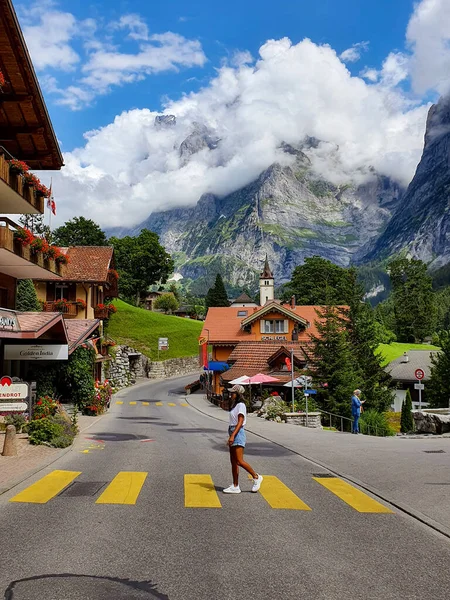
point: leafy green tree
(141, 262)
(319, 282)
(79, 231)
(413, 298)
(406, 419)
(167, 303)
(175, 291)
(26, 298)
(217, 295)
(336, 367)
(438, 387)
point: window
(61, 291)
(279, 327)
(268, 326)
(242, 313)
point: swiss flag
(53, 206)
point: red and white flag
(50, 196)
(53, 206)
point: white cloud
(58, 41)
(428, 34)
(129, 168)
(353, 54)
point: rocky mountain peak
(164, 121)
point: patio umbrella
(239, 380)
(259, 378)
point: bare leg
(241, 462)
(234, 465)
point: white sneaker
(257, 483)
(233, 489)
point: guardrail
(364, 428)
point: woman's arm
(238, 427)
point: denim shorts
(240, 438)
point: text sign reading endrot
(36, 352)
(419, 374)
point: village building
(403, 373)
(86, 282)
(246, 340)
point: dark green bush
(373, 422)
(17, 419)
(43, 431)
(406, 420)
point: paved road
(122, 530)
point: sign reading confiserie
(36, 352)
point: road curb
(417, 515)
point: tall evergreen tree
(217, 295)
(413, 297)
(26, 297)
(406, 419)
(437, 389)
(363, 332)
(334, 361)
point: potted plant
(41, 190)
(111, 309)
(61, 304)
(18, 166)
(80, 303)
(52, 252)
(61, 258)
(23, 236)
(38, 245)
(30, 179)
(113, 273)
(2, 80)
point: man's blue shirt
(356, 406)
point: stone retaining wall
(129, 364)
(314, 420)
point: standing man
(356, 410)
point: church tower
(266, 285)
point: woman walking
(236, 442)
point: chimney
(405, 357)
(293, 302)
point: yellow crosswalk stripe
(46, 488)
(119, 402)
(278, 495)
(124, 488)
(159, 403)
(145, 403)
(199, 492)
(352, 496)
(171, 404)
(133, 403)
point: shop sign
(11, 392)
(36, 352)
(8, 321)
(275, 338)
(13, 407)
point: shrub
(16, 419)
(373, 422)
(300, 403)
(406, 420)
(27, 299)
(273, 407)
(43, 431)
(45, 407)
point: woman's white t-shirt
(239, 409)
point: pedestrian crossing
(136, 403)
(199, 490)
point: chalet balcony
(69, 310)
(101, 313)
(19, 261)
(17, 197)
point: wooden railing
(68, 310)
(17, 183)
(7, 241)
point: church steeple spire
(266, 284)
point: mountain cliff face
(288, 213)
(420, 225)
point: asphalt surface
(72, 548)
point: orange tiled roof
(35, 321)
(87, 263)
(224, 324)
(252, 358)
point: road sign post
(419, 375)
(163, 344)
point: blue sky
(357, 75)
(222, 29)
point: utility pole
(292, 379)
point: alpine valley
(291, 212)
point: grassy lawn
(392, 351)
(140, 329)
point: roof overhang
(25, 127)
(20, 268)
(273, 307)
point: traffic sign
(419, 386)
(419, 374)
(163, 343)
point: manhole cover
(434, 451)
(86, 489)
(329, 475)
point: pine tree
(27, 299)
(217, 295)
(363, 336)
(438, 387)
(334, 361)
(406, 419)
